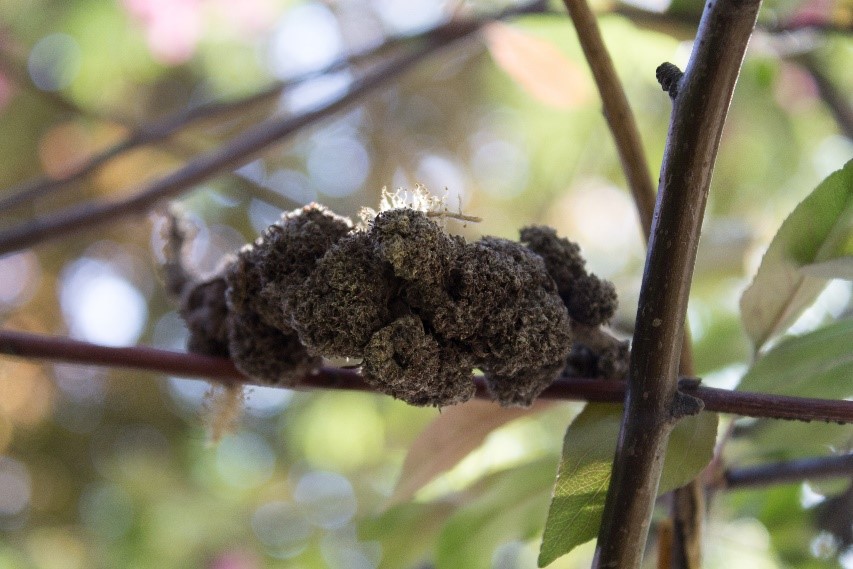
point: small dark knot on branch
(669, 76)
(685, 405)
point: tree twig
(683, 23)
(618, 113)
(787, 472)
(54, 348)
(688, 501)
(165, 127)
(837, 102)
(653, 403)
(240, 149)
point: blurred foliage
(111, 468)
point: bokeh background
(112, 468)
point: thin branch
(683, 23)
(653, 403)
(12, 66)
(240, 149)
(222, 370)
(163, 128)
(837, 102)
(618, 113)
(793, 471)
(231, 155)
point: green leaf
(819, 229)
(406, 532)
(584, 473)
(817, 364)
(511, 505)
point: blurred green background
(110, 468)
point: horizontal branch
(242, 148)
(684, 23)
(788, 472)
(222, 370)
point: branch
(240, 149)
(653, 403)
(788, 472)
(222, 370)
(618, 113)
(680, 24)
(688, 502)
(837, 102)
(161, 129)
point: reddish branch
(53, 348)
(788, 472)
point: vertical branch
(688, 503)
(688, 512)
(701, 99)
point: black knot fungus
(504, 306)
(593, 301)
(286, 253)
(266, 353)
(347, 298)
(420, 307)
(271, 354)
(405, 362)
(204, 310)
(590, 300)
(562, 257)
(414, 245)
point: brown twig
(54, 348)
(683, 23)
(837, 102)
(240, 149)
(161, 129)
(618, 113)
(653, 403)
(687, 501)
(793, 471)
(231, 155)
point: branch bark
(653, 400)
(162, 129)
(618, 113)
(54, 348)
(788, 472)
(688, 502)
(242, 148)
